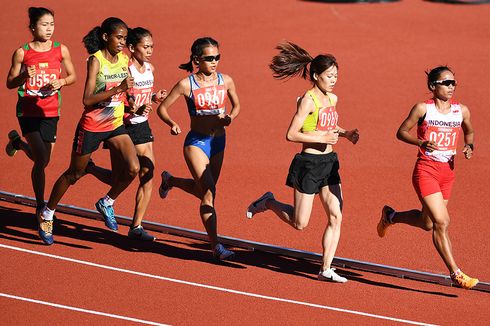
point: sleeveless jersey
(34, 98)
(108, 114)
(323, 118)
(142, 92)
(209, 100)
(441, 128)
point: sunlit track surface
(240, 243)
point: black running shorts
(47, 127)
(309, 173)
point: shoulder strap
(315, 99)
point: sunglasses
(211, 58)
(446, 82)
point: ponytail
(293, 60)
(188, 66)
(93, 40)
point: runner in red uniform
(316, 169)
(102, 121)
(439, 122)
(36, 72)
(206, 93)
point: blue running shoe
(108, 214)
(45, 230)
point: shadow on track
(16, 225)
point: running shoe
(107, 213)
(138, 233)
(258, 206)
(10, 148)
(329, 275)
(45, 229)
(164, 186)
(463, 280)
(221, 253)
(384, 223)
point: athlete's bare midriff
(316, 148)
(211, 125)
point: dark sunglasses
(211, 58)
(446, 82)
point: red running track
(383, 50)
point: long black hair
(93, 40)
(197, 50)
(293, 60)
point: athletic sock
(47, 214)
(108, 201)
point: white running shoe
(164, 187)
(329, 275)
(221, 253)
(258, 206)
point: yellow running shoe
(10, 149)
(463, 280)
(384, 223)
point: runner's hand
(127, 83)
(468, 152)
(30, 71)
(330, 137)
(429, 145)
(175, 130)
(352, 135)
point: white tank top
(441, 128)
(142, 92)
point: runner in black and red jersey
(439, 122)
(206, 93)
(36, 72)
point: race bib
(446, 138)
(141, 96)
(210, 100)
(327, 118)
(38, 85)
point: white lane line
(93, 312)
(266, 297)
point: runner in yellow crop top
(315, 170)
(322, 118)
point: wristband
(469, 145)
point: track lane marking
(216, 288)
(88, 311)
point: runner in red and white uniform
(141, 98)
(439, 122)
(315, 170)
(36, 72)
(102, 121)
(206, 93)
